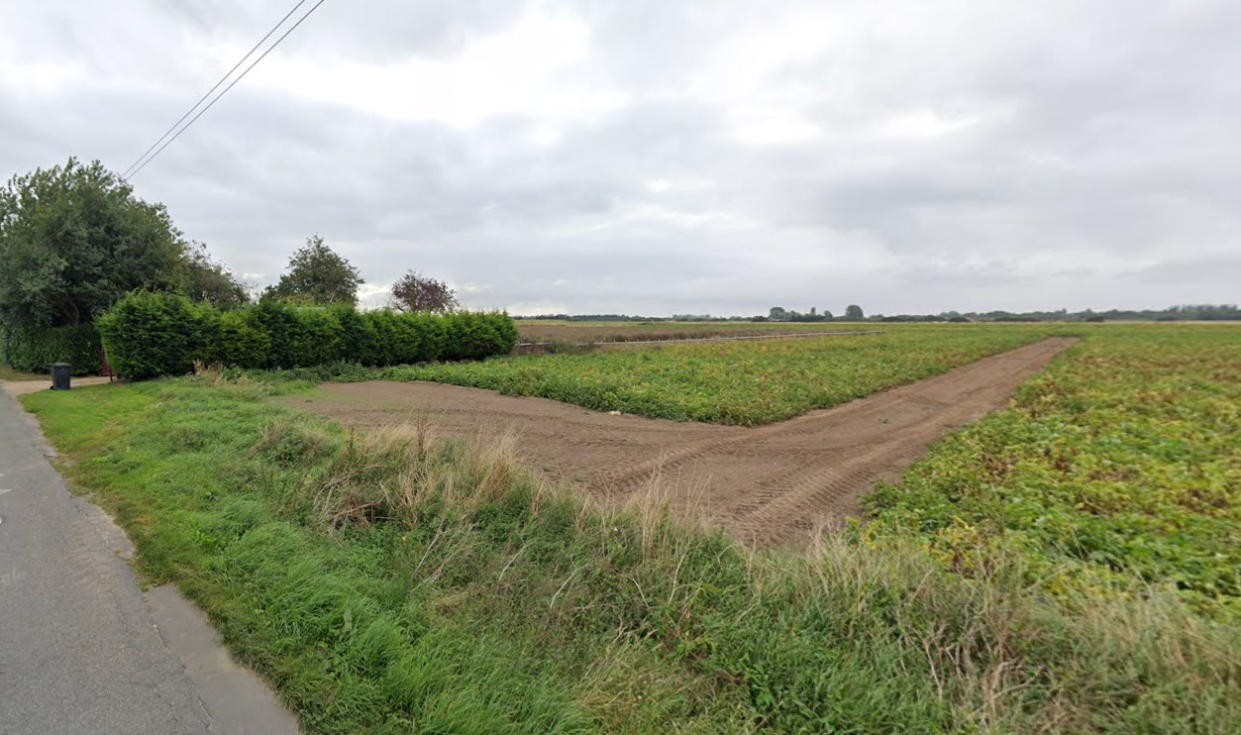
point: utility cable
(136, 167)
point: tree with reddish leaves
(415, 292)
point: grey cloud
(1002, 155)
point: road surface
(82, 649)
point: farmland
(1064, 565)
(1120, 465)
(540, 330)
(741, 383)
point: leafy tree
(415, 292)
(207, 281)
(317, 275)
(777, 313)
(853, 311)
(74, 239)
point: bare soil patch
(768, 485)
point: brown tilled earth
(768, 485)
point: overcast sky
(662, 157)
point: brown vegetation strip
(768, 485)
(719, 338)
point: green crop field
(1121, 462)
(743, 383)
(1066, 565)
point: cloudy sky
(656, 157)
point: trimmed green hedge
(33, 350)
(151, 334)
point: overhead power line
(214, 87)
(154, 151)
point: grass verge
(392, 582)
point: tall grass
(395, 582)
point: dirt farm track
(768, 485)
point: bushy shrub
(33, 350)
(470, 336)
(283, 332)
(358, 339)
(151, 334)
(318, 337)
(238, 339)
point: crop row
(1122, 461)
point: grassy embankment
(393, 583)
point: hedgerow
(32, 350)
(150, 334)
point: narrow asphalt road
(82, 650)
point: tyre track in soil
(768, 485)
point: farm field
(545, 330)
(740, 383)
(774, 484)
(1119, 465)
(1060, 566)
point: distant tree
(853, 311)
(208, 281)
(317, 275)
(814, 311)
(74, 239)
(415, 292)
(777, 314)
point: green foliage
(416, 292)
(317, 275)
(475, 336)
(387, 583)
(318, 337)
(152, 334)
(33, 349)
(358, 339)
(238, 339)
(206, 281)
(1121, 461)
(743, 383)
(283, 332)
(74, 239)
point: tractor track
(769, 485)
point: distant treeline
(636, 318)
(1183, 312)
